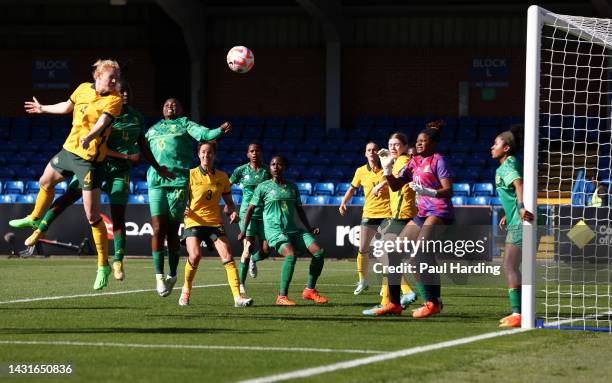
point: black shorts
(207, 234)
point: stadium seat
(495, 201)
(32, 187)
(458, 200)
(304, 199)
(485, 189)
(294, 132)
(14, 187)
(61, 188)
(104, 199)
(315, 132)
(305, 188)
(336, 134)
(335, 200)
(6, 173)
(141, 187)
(324, 188)
(318, 200)
(357, 201)
(483, 201)
(341, 188)
(25, 198)
(237, 198)
(8, 198)
(461, 189)
(137, 199)
(237, 189)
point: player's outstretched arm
(302, 214)
(36, 107)
(347, 196)
(246, 221)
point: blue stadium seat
(292, 174)
(300, 161)
(237, 189)
(458, 200)
(32, 187)
(478, 201)
(61, 188)
(328, 148)
(104, 199)
(8, 198)
(485, 189)
(461, 189)
(336, 134)
(273, 132)
(137, 199)
(141, 187)
(14, 187)
(237, 198)
(474, 161)
(324, 188)
(352, 147)
(495, 201)
(344, 160)
(304, 199)
(305, 188)
(274, 121)
(25, 198)
(334, 176)
(335, 200)
(294, 132)
(315, 132)
(341, 188)
(318, 200)
(6, 173)
(357, 201)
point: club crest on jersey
(427, 169)
(173, 128)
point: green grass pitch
(137, 336)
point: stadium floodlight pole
(530, 166)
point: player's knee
(92, 217)
(319, 253)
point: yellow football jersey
(88, 108)
(375, 206)
(403, 201)
(205, 191)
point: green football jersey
(124, 135)
(505, 174)
(279, 204)
(249, 179)
(171, 142)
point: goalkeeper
(509, 185)
(250, 175)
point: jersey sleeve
(405, 173)
(236, 175)
(356, 182)
(442, 169)
(113, 106)
(512, 173)
(74, 94)
(257, 198)
(202, 133)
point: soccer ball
(240, 59)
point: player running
(203, 222)
(94, 107)
(280, 200)
(428, 175)
(375, 210)
(171, 142)
(125, 139)
(249, 176)
(509, 185)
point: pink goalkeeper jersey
(428, 172)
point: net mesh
(574, 162)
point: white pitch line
(190, 346)
(308, 372)
(55, 298)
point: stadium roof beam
(334, 25)
(190, 16)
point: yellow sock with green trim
(232, 277)
(385, 292)
(43, 201)
(405, 286)
(98, 229)
(362, 265)
(190, 272)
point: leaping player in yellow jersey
(203, 222)
(403, 209)
(375, 210)
(94, 106)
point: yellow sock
(43, 201)
(232, 277)
(98, 229)
(362, 265)
(385, 292)
(190, 272)
(405, 286)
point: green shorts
(255, 229)
(395, 225)
(170, 201)
(89, 174)
(372, 222)
(514, 235)
(117, 183)
(300, 240)
(206, 234)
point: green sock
(514, 294)
(421, 289)
(49, 217)
(158, 261)
(316, 265)
(173, 261)
(243, 269)
(259, 256)
(287, 274)
(119, 240)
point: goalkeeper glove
(420, 190)
(386, 161)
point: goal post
(568, 151)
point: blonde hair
(102, 65)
